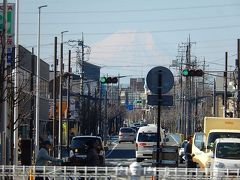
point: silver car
(126, 134)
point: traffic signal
(192, 72)
(108, 80)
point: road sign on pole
(167, 100)
(159, 80)
(167, 79)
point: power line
(134, 21)
(144, 44)
(142, 32)
(133, 10)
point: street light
(37, 85)
(60, 99)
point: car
(126, 134)
(135, 128)
(172, 140)
(225, 158)
(146, 141)
(182, 151)
(78, 150)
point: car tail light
(142, 144)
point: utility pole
(214, 98)
(54, 97)
(5, 103)
(60, 99)
(238, 95)
(80, 53)
(16, 86)
(182, 121)
(188, 89)
(38, 84)
(203, 85)
(32, 100)
(82, 80)
(68, 95)
(225, 85)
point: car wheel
(119, 142)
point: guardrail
(134, 171)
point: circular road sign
(167, 79)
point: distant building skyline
(137, 84)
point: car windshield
(127, 130)
(80, 142)
(198, 140)
(228, 150)
(215, 135)
(173, 138)
(148, 137)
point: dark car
(78, 150)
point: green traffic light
(185, 72)
(103, 80)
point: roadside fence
(133, 172)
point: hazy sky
(129, 37)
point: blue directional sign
(130, 107)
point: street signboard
(10, 29)
(167, 79)
(167, 100)
(130, 107)
(10, 18)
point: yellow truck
(214, 128)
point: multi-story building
(27, 87)
(137, 84)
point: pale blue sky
(129, 37)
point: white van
(146, 141)
(226, 155)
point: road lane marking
(115, 145)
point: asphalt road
(124, 154)
(120, 154)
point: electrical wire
(134, 10)
(134, 21)
(142, 32)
